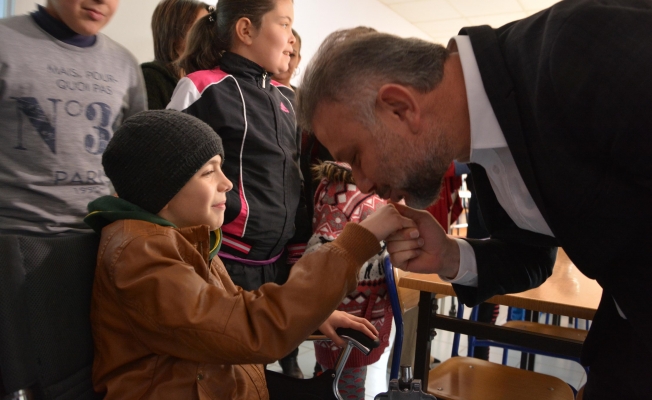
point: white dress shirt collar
(485, 130)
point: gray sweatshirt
(59, 106)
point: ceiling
(442, 19)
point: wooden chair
(463, 378)
(466, 378)
(529, 326)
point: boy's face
(86, 17)
(202, 200)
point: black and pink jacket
(255, 118)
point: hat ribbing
(155, 153)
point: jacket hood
(108, 209)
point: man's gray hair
(351, 65)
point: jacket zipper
(264, 79)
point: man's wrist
(451, 265)
(466, 268)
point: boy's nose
(225, 186)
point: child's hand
(340, 319)
(387, 220)
(433, 252)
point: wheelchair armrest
(361, 341)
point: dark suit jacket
(571, 87)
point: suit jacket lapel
(500, 91)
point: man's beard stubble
(420, 170)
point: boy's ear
(245, 31)
(399, 105)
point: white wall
(314, 20)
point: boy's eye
(208, 172)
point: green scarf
(108, 209)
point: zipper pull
(264, 79)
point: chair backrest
(46, 344)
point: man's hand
(387, 220)
(340, 319)
(432, 252)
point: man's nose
(365, 185)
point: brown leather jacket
(169, 325)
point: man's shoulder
(579, 11)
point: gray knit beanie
(155, 153)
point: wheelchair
(46, 346)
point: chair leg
(505, 356)
(452, 312)
(457, 336)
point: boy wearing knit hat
(167, 320)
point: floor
(378, 373)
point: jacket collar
(207, 243)
(108, 209)
(235, 64)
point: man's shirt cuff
(468, 272)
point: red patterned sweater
(337, 202)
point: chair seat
(552, 330)
(465, 378)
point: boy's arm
(173, 310)
(137, 94)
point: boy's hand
(435, 252)
(340, 319)
(387, 220)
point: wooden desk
(567, 292)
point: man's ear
(400, 105)
(245, 31)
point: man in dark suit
(553, 113)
